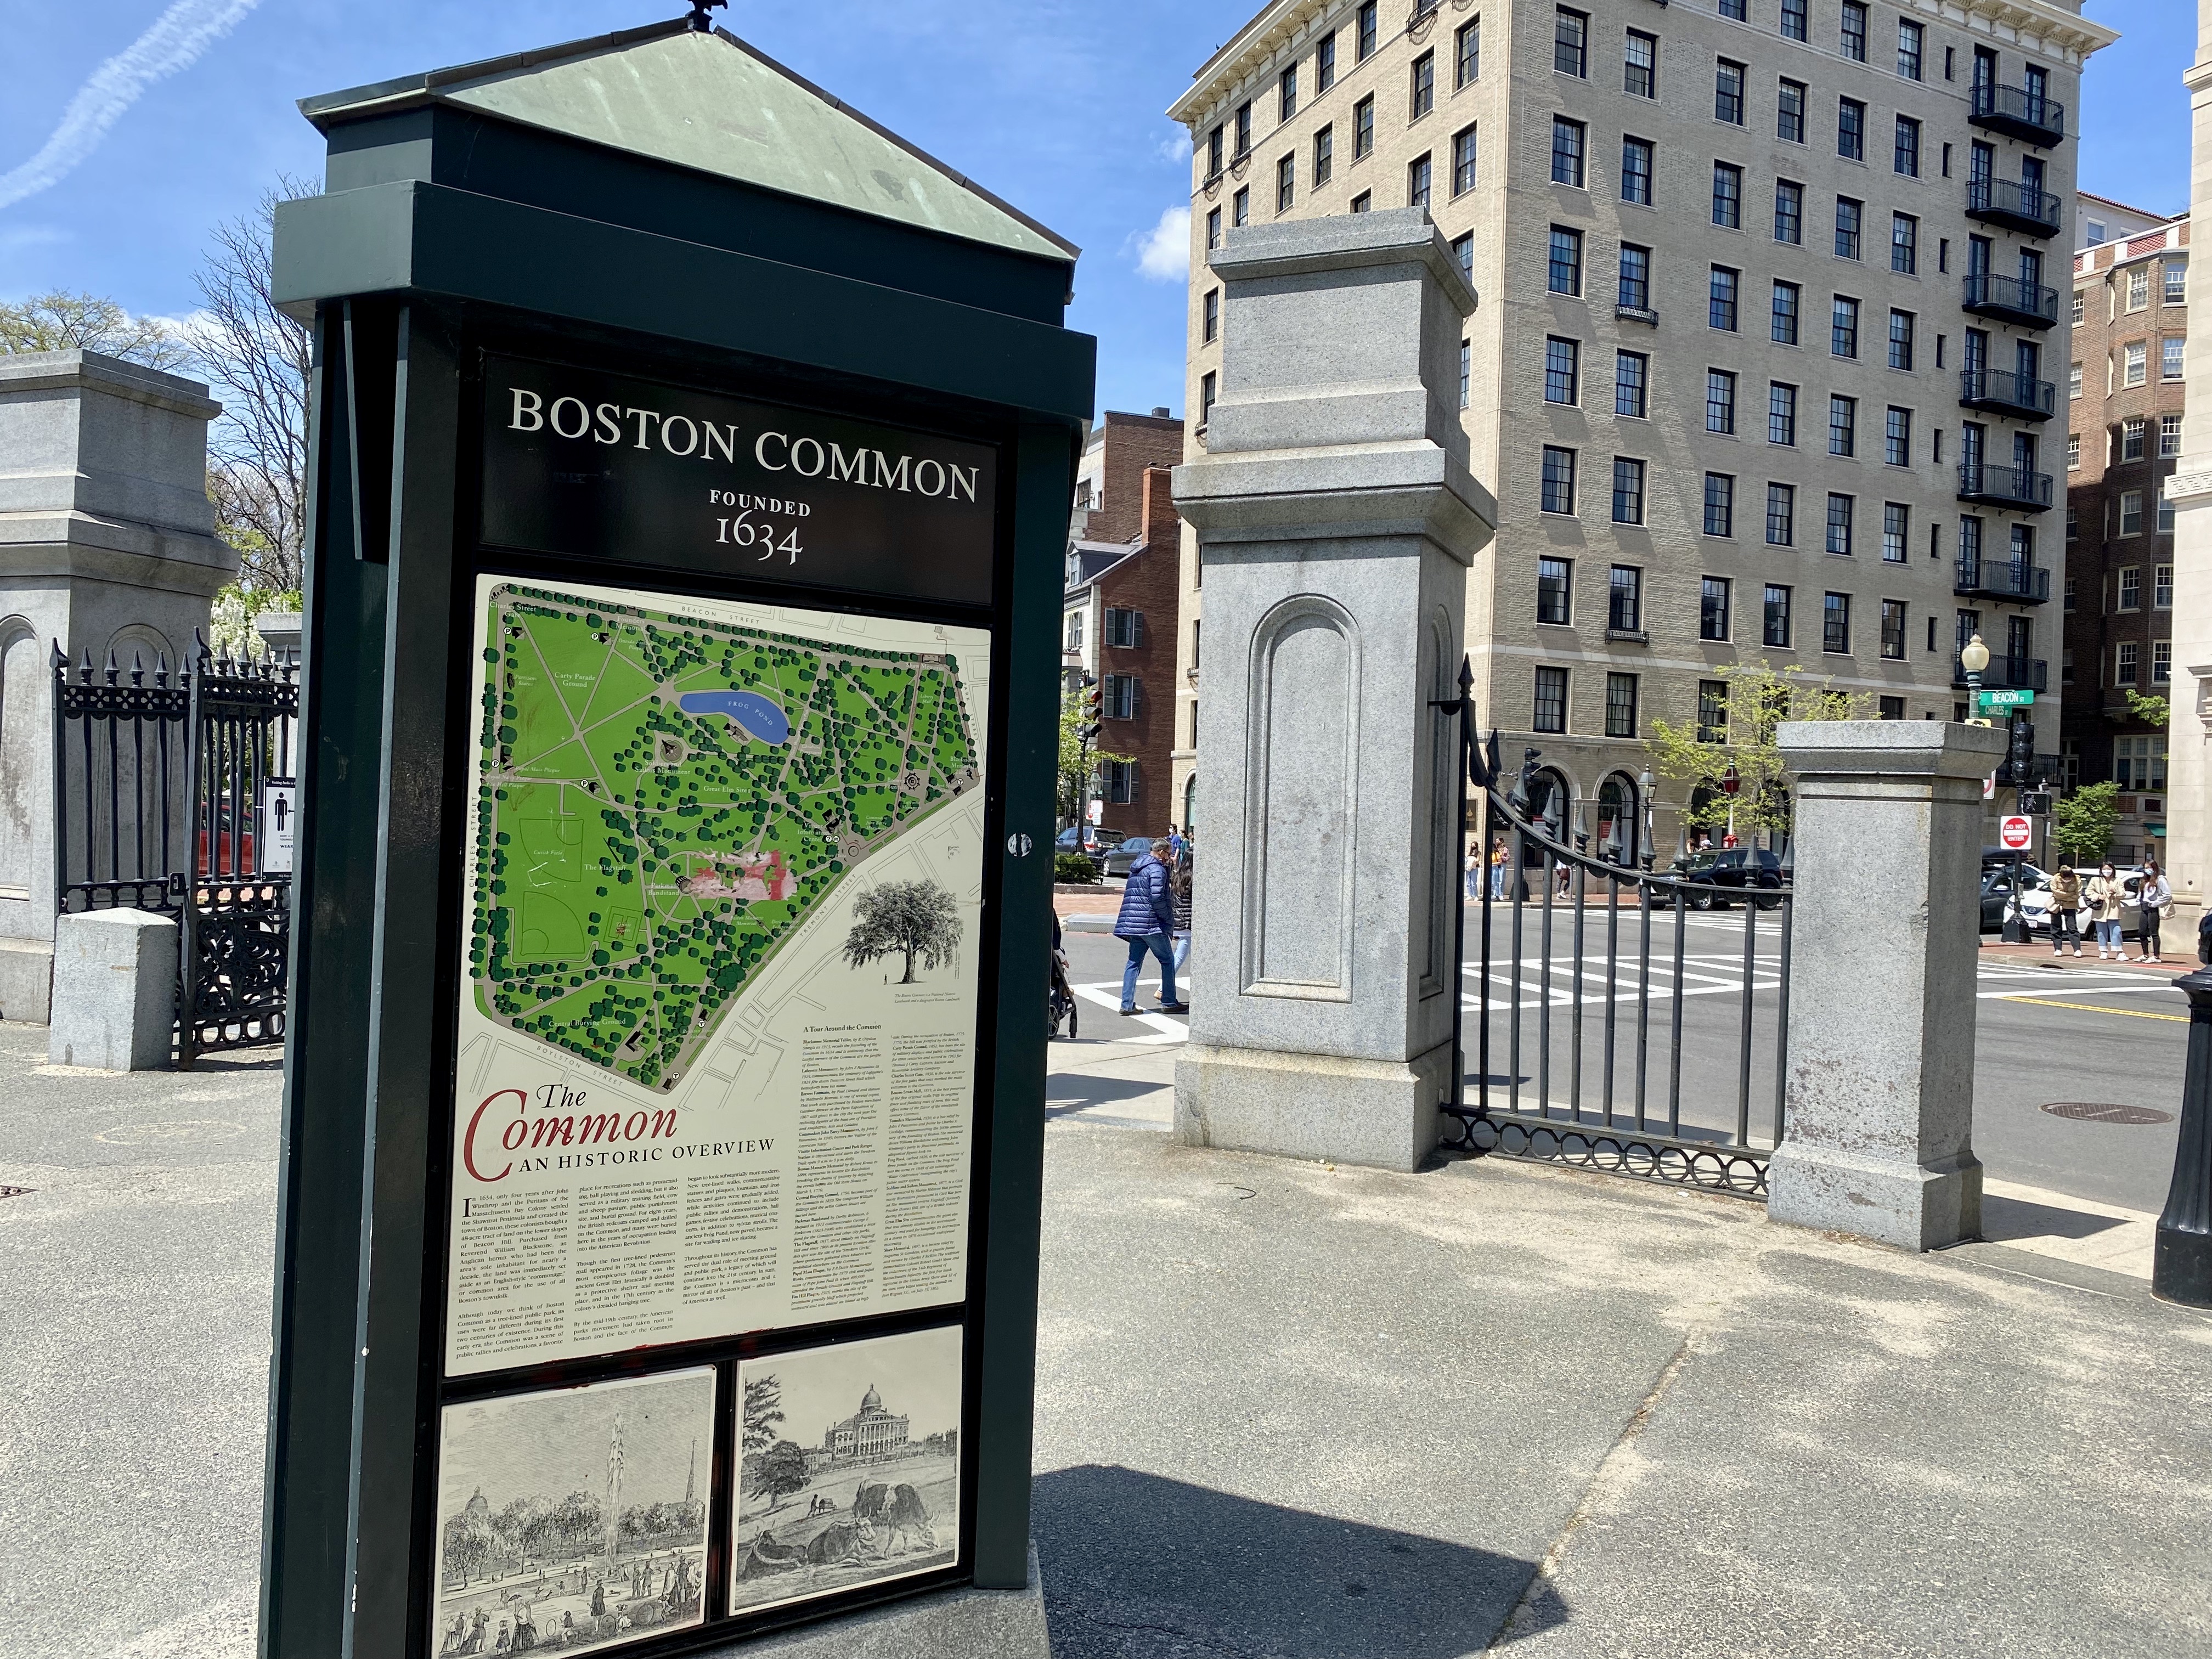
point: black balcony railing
(2018, 581)
(2006, 674)
(2024, 208)
(2010, 299)
(2004, 486)
(2003, 392)
(2018, 113)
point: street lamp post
(1974, 657)
(2181, 1261)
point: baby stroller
(1063, 998)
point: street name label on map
(608, 466)
(717, 1023)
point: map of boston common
(663, 801)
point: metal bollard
(2181, 1262)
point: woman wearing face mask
(2155, 898)
(2101, 896)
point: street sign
(2021, 699)
(2015, 833)
(280, 804)
(2035, 801)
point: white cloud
(178, 38)
(1175, 148)
(1163, 251)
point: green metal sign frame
(2023, 698)
(449, 237)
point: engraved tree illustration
(915, 918)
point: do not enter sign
(2015, 833)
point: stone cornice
(2190, 486)
(2057, 31)
(74, 370)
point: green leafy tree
(2152, 711)
(62, 321)
(1079, 762)
(2082, 824)
(781, 1471)
(915, 918)
(1740, 732)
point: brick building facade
(2123, 440)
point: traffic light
(2023, 754)
(1094, 708)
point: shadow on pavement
(1139, 1566)
(2018, 1217)
(1077, 1091)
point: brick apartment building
(2123, 440)
(1123, 555)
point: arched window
(1618, 819)
(1190, 802)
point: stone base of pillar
(26, 980)
(1379, 1113)
(984, 1624)
(115, 991)
(1914, 1207)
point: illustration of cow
(906, 1516)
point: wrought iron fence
(1600, 1082)
(161, 796)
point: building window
(1850, 129)
(1462, 249)
(1205, 389)
(1210, 327)
(1855, 31)
(1423, 92)
(1466, 370)
(1793, 19)
(1417, 182)
(1122, 627)
(1727, 93)
(1324, 155)
(1889, 708)
(2073, 454)
(1362, 128)
(1728, 196)
(1075, 620)
(1712, 711)
(1620, 705)
(1781, 515)
(1562, 371)
(2170, 351)
(1843, 425)
(1790, 119)
(1777, 631)
(1555, 580)
(2177, 283)
(1781, 414)
(2123, 665)
(1467, 56)
(1713, 608)
(2139, 288)
(1836, 624)
(1909, 38)
(1849, 216)
(1625, 600)
(1214, 153)
(1213, 230)
(1118, 780)
(1843, 327)
(1364, 202)
(2169, 436)
(2130, 525)
(1118, 696)
(1907, 161)
(1720, 504)
(1550, 714)
(1738, 10)
(1367, 31)
(2165, 516)
(1463, 160)
(1784, 329)
(2079, 299)
(2161, 588)
(1631, 375)
(1720, 401)
(1640, 72)
(1627, 490)
(2135, 355)
(1720, 300)
(1903, 243)
(2161, 662)
(1243, 130)
(1570, 43)
(1558, 479)
(1635, 289)
(1240, 207)
(1901, 339)
(1897, 439)
(1566, 263)
(2074, 383)
(1286, 90)
(2131, 439)
(1567, 151)
(1839, 524)
(1893, 630)
(1287, 183)
(1636, 168)
(1896, 531)
(1789, 212)
(1325, 63)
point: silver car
(1121, 858)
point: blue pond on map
(759, 716)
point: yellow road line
(2096, 1008)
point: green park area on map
(663, 800)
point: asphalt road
(2044, 1036)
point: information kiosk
(665, 1094)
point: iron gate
(1603, 1084)
(168, 784)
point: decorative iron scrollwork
(1709, 1167)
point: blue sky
(1053, 104)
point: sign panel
(280, 808)
(716, 1048)
(602, 465)
(2015, 834)
(2023, 698)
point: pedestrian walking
(2154, 902)
(2065, 910)
(2104, 896)
(1472, 870)
(1147, 921)
(1179, 888)
(1501, 860)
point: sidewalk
(1282, 1410)
(2038, 953)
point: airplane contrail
(177, 40)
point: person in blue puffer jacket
(1147, 921)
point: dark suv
(1739, 867)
